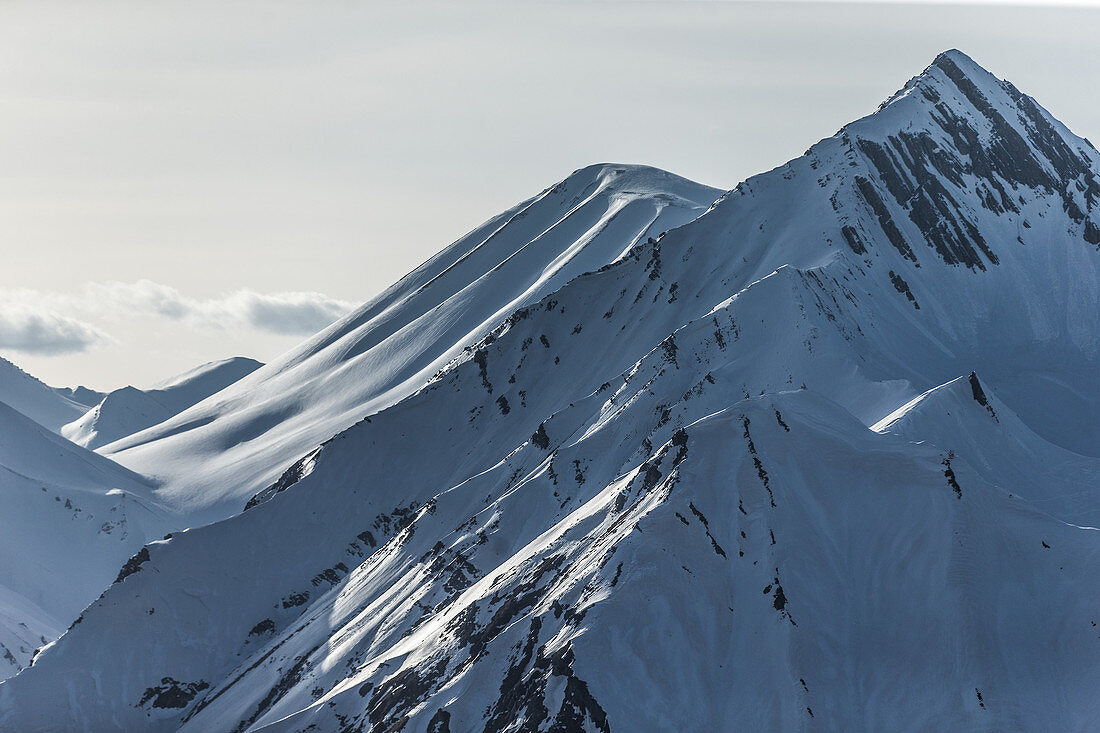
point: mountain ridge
(51, 407)
(68, 518)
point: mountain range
(819, 452)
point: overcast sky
(186, 181)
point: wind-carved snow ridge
(635, 456)
(217, 454)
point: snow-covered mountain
(68, 520)
(126, 411)
(821, 454)
(50, 407)
(212, 457)
(84, 396)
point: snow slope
(48, 406)
(126, 411)
(820, 457)
(965, 417)
(68, 520)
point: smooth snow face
(648, 496)
(48, 406)
(956, 417)
(70, 518)
(126, 411)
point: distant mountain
(50, 407)
(819, 454)
(70, 518)
(81, 395)
(126, 411)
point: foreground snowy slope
(48, 406)
(821, 457)
(211, 458)
(68, 520)
(129, 410)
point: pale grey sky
(185, 181)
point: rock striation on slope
(820, 456)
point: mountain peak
(45, 405)
(128, 410)
(951, 73)
(957, 142)
(635, 179)
(954, 58)
(947, 66)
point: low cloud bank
(49, 323)
(45, 333)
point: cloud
(289, 313)
(57, 323)
(44, 332)
(118, 300)
(284, 313)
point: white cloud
(44, 332)
(118, 300)
(284, 313)
(293, 313)
(57, 323)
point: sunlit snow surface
(48, 406)
(607, 463)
